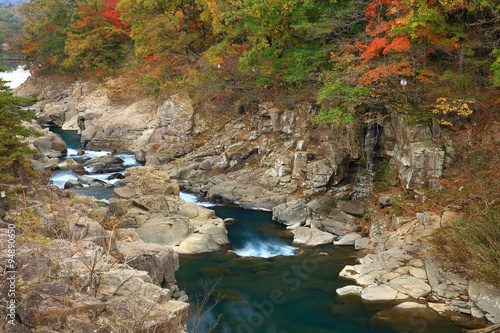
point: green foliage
(94, 43)
(478, 241)
(280, 46)
(45, 34)
(495, 67)
(354, 53)
(13, 150)
(10, 23)
(339, 102)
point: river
(266, 284)
(15, 74)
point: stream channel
(268, 286)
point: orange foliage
(399, 44)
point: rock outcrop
(399, 268)
(271, 151)
(86, 279)
(150, 203)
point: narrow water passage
(60, 177)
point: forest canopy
(428, 58)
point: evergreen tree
(14, 151)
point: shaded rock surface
(150, 202)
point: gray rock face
(290, 213)
(311, 237)
(487, 298)
(149, 202)
(416, 156)
(176, 116)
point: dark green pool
(280, 294)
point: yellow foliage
(460, 107)
(447, 106)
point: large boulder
(381, 293)
(69, 164)
(410, 285)
(487, 298)
(104, 164)
(159, 261)
(167, 230)
(51, 145)
(311, 237)
(290, 213)
(348, 239)
(53, 114)
(338, 222)
(197, 243)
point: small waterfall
(265, 248)
(364, 185)
(189, 197)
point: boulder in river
(72, 183)
(104, 164)
(150, 202)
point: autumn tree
(97, 38)
(169, 36)
(280, 47)
(45, 33)
(393, 60)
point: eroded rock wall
(279, 148)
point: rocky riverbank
(71, 270)
(276, 157)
